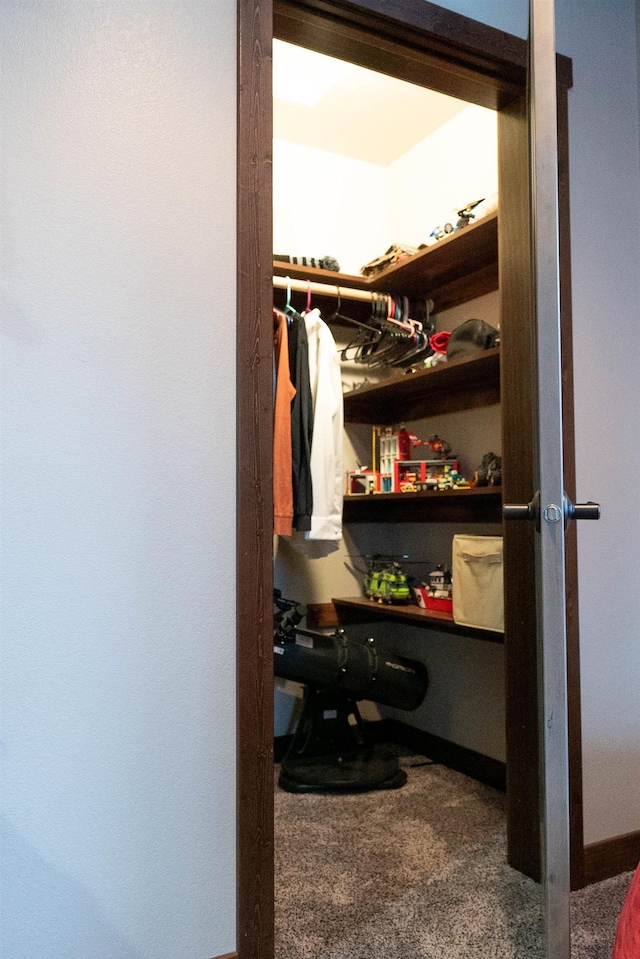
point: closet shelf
(478, 505)
(452, 271)
(280, 268)
(358, 609)
(462, 384)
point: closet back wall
(455, 165)
(328, 203)
(118, 485)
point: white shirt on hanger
(328, 418)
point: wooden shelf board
(454, 258)
(482, 505)
(280, 268)
(467, 287)
(457, 385)
(454, 270)
(358, 609)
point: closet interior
(362, 162)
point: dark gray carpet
(416, 872)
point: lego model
(363, 481)
(385, 581)
(437, 594)
(401, 470)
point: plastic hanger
(362, 339)
(287, 306)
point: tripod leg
(328, 753)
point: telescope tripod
(330, 752)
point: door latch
(552, 513)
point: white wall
(328, 204)
(600, 36)
(118, 437)
(455, 165)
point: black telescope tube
(360, 669)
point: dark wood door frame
(425, 44)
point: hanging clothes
(284, 393)
(328, 417)
(301, 423)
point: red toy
(437, 594)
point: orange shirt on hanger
(282, 470)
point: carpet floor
(416, 873)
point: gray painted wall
(118, 673)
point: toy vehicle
(412, 476)
(385, 582)
(440, 448)
(451, 479)
(437, 594)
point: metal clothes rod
(322, 289)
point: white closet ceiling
(331, 105)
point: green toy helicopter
(385, 581)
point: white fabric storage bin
(478, 591)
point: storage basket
(478, 591)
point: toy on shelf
(385, 581)
(489, 473)
(465, 216)
(363, 480)
(437, 593)
(401, 470)
(451, 479)
(439, 448)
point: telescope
(330, 751)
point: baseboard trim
(484, 769)
(610, 857)
(477, 766)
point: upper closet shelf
(452, 271)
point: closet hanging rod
(322, 289)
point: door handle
(525, 511)
(532, 512)
(580, 510)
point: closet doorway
(455, 56)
